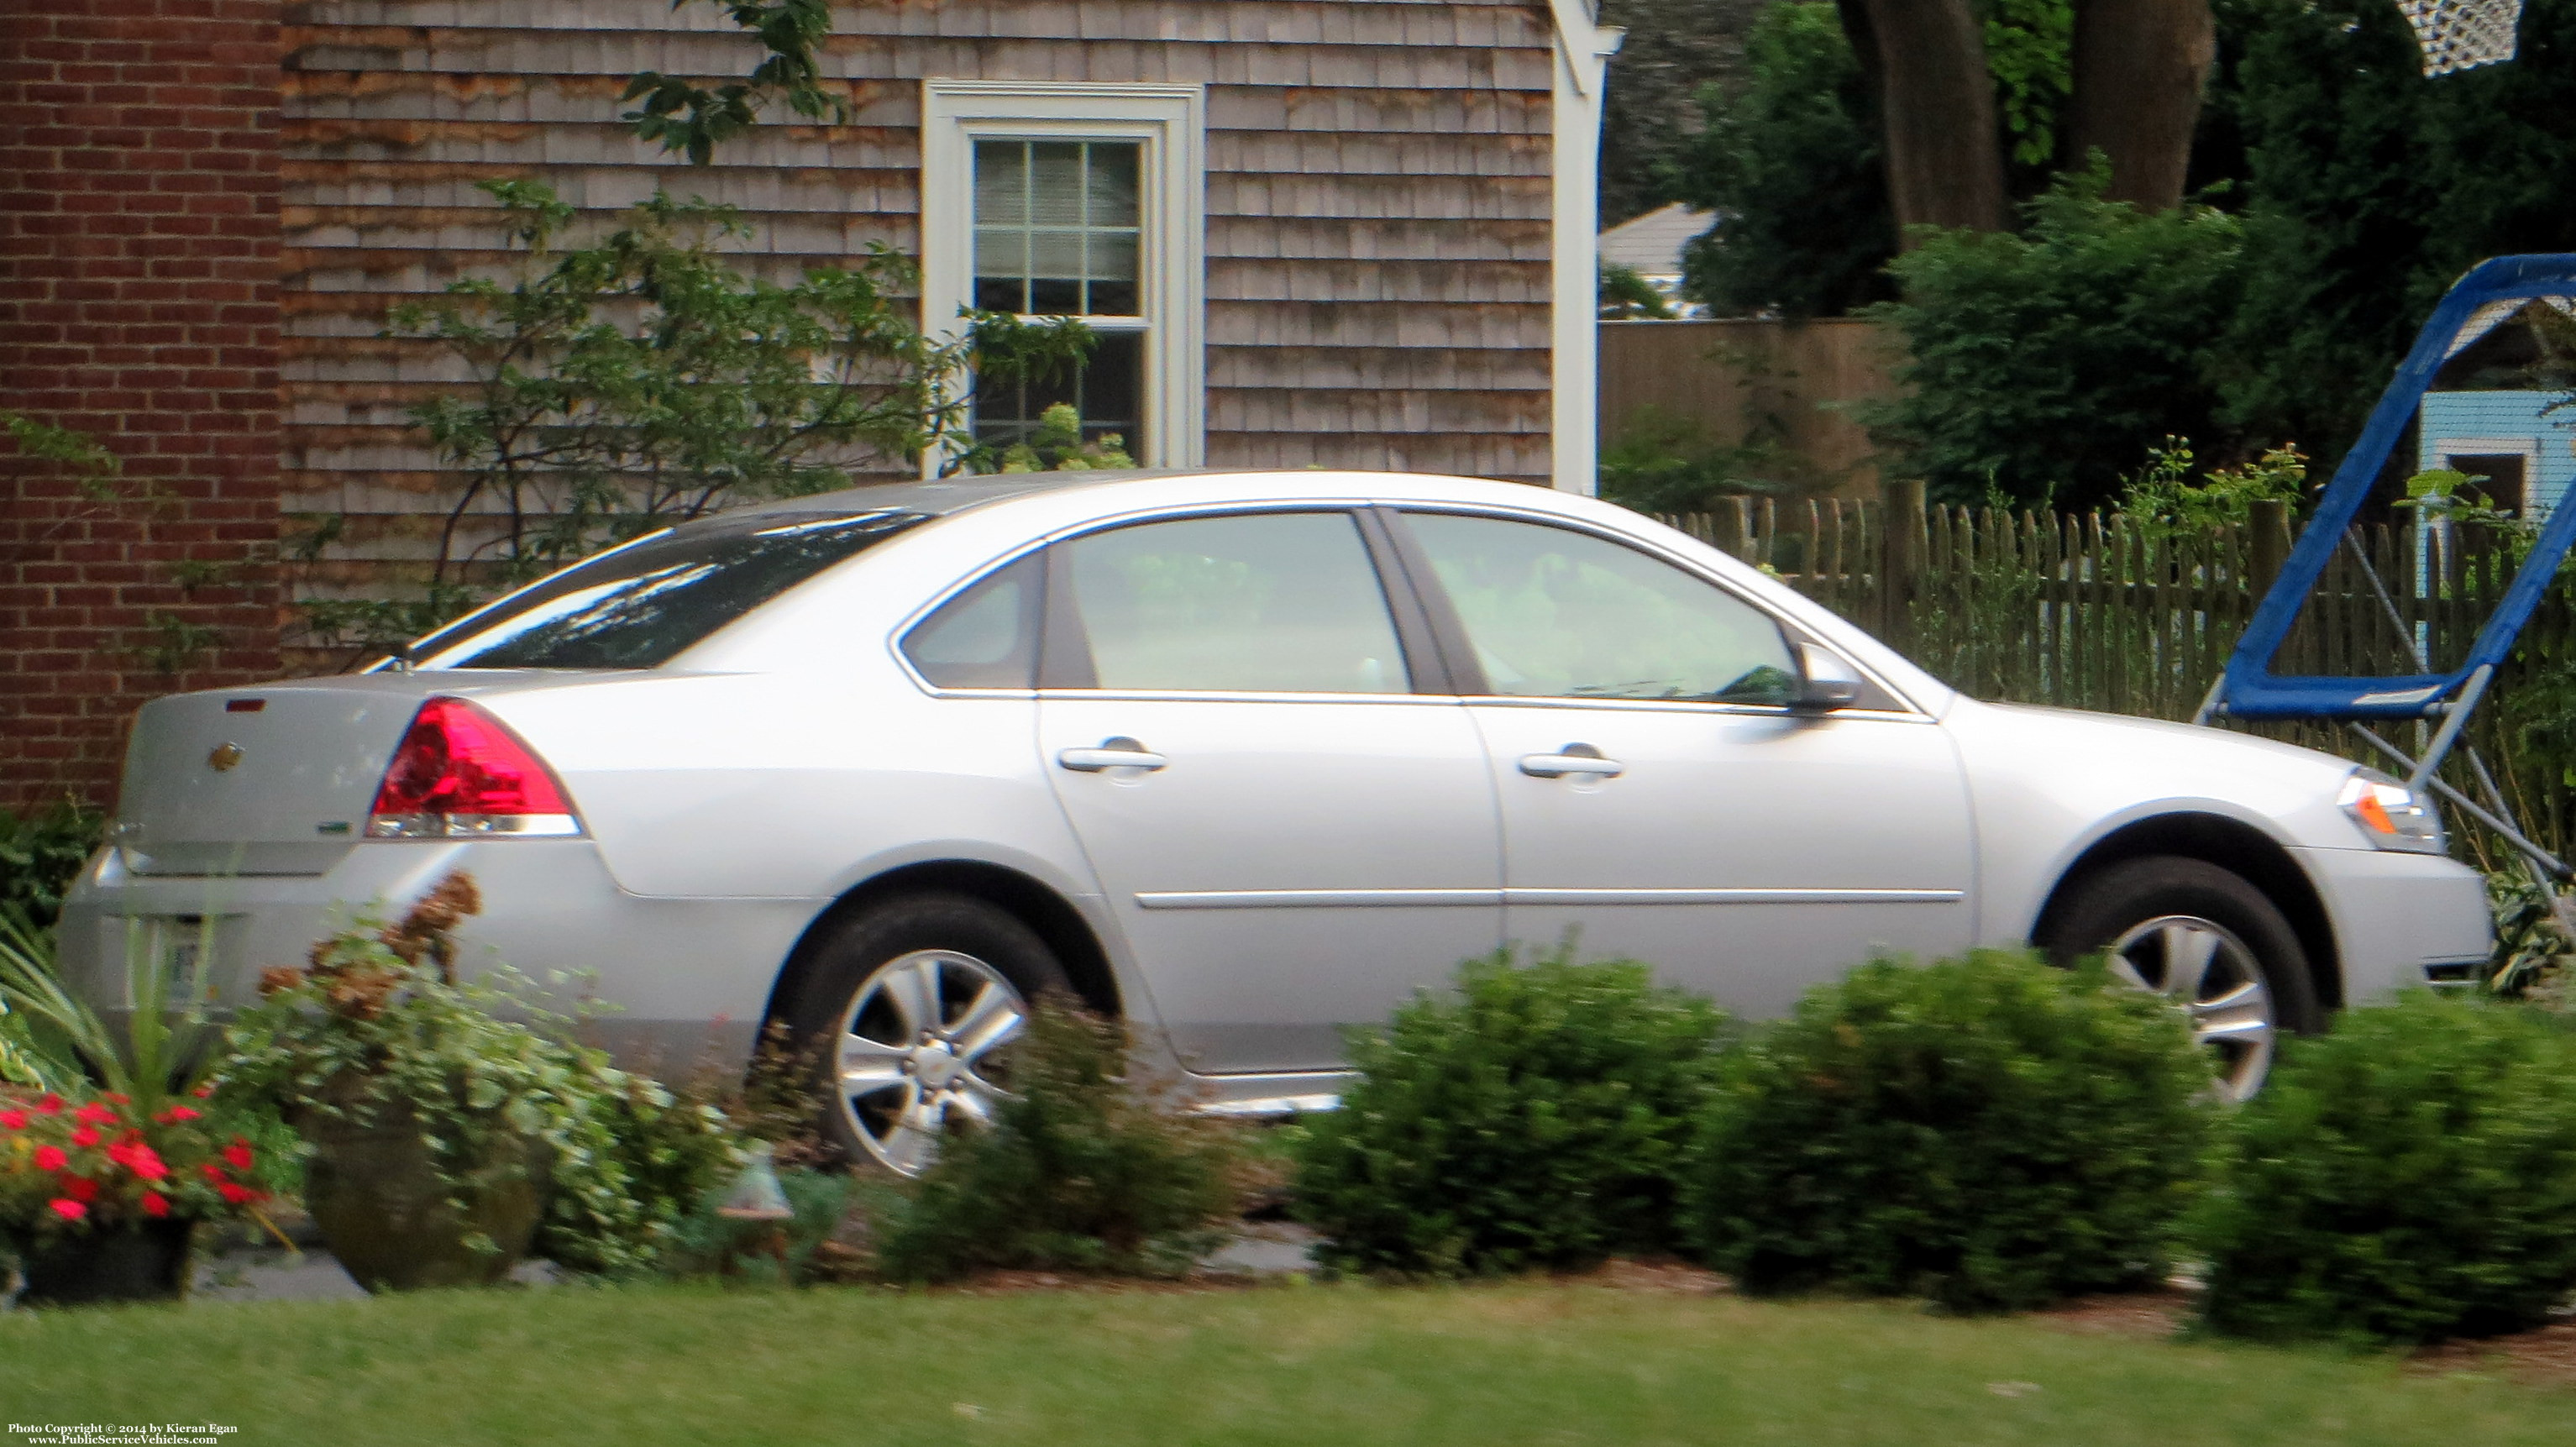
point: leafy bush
(1659, 461)
(1624, 294)
(1534, 1118)
(1986, 1131)
(40, 855)
(1085, 1167)
(2410, 1177)
(1791, 160)
(2041, 366)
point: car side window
(1256, 603)
(985, 637)
(1555, 613)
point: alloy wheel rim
(2206, 971)
(915, 1050)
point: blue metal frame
(2249, 689)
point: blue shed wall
(2486, 417)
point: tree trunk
(1927, 61)
(2139, 68)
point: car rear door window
(1555, 613)
(985, 637)
(1253, 603)
(640, 605)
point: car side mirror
(1826, 680)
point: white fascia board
(1583, 51)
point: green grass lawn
(1325, 1365)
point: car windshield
(641, 605)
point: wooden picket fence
(2100, 612)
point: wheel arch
(1054, 919)
(2232, 845)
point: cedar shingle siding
(1377, 201)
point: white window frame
(1170, 121)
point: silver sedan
(1244, 758)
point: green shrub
(1532, 1119)
(1085, 1167)
(40, 855)
(2410, 1177)
(2042, 365)
(1986, 1131)
(1791, 160)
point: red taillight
(460, 771)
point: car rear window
(639, 606)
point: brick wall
(139, 186)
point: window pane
(985, 637)
(1056, 226)
(640, 606)
(1110, 188)
(1107, 389)
(1056, 183)
(1559, 614)
(1001, 183)
(1282, 603)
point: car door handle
(1112, 754)
(1557, 766)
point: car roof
(1155, 484)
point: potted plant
(443, 1135)
(112, 1149)
(103, 1196)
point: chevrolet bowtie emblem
(224, 757)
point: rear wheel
(909, 1008)
(2205, 939)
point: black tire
(948, 943)
(2164, 899)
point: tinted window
(985, 637)
(1270, 603)
(639, 606)
(1554, 613)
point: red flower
(238, 1153)
(139, 1158)
(14, 1119)
(94, 1114)
(80, 1188)
(49, 1104)
(155, 1204)
(237, 1194)
(51, 1158)
(211, 1171)
(202, 1091)
(115, 1098)
(85, 1136)
(69, 1210)
(176, 1114)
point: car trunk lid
(275, 779)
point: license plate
(191, 957)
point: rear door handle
(1121, 753)
(1557, 766)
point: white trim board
(1583, 51)
(1171, 122)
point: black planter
(385, 1211)
(144, 1261)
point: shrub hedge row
(1988, 1132)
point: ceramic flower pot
(386, 1212)
(138, 1261)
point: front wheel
(2205, 939)
(908, 1009)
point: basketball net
(2460, 34)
